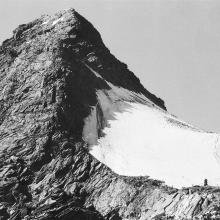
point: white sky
(172, 46)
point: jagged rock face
(48, 88)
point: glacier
(134, 137)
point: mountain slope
(64, 100)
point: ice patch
(93, 71)
(46, 22)
(58, 20)
(139, 141)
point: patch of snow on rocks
(46, 22)
(58, 20)
(140, 139)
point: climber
(205, 182)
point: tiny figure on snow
(205, 182)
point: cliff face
(50, 72)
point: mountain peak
(69, 33)
(80, 136)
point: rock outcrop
(46, 171)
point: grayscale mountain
(81, 138)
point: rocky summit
(61, 89)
